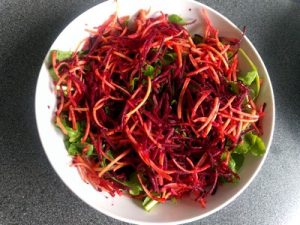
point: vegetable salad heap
(150, 111)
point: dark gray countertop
(30, 190)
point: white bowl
(121, 207)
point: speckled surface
(31, 192)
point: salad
(153, 112)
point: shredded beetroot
(171, 127)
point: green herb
(231, 164)
(197, 39)
(133, 82)
(248, 59)
(238, 161)
(106, 109)
(104, 160)
(63, 55)
(251, 143)
(258, 146)
(235, 162)
(169, 58)
(251, 79)
(229, 54)
(73, 139)
(242, 148)
(173, 18)
(60, 55)
(152, 71)
(146, 200)
(134, 185)
(149, 203)
(233, 87)
(53, 74)
(223, 156)
(135, 190)
(90, 150)
(83, 52)
(74, 135)
(228, 142)
(173, 102)
(126, 22)
(75, 148)
(149, 71)
(110, 154)
(222, 180)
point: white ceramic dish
(123, 208)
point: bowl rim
(224, 204)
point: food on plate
(153, 112)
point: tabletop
(30, 190)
